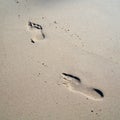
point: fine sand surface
(59, 60)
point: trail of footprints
(74, 84)
(36, 32)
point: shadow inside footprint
(73, 83)
(72, 76)
(34, 25)
(99, 92)
(32, 41)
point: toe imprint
(34, 25)
(71, 76)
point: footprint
(36, 32)
(73, 83)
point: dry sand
(71, 73)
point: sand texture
(59, 60)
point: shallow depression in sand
(36, 31)
(74, 84)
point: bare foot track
(36, 32)
(74, 84)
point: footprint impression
(36, 32)
(74, 84)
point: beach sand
(59, 60)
